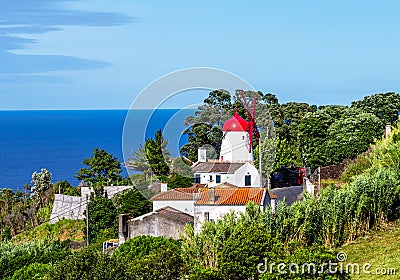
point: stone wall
(67, 207)
(72, 207)
(167, 222)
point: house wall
(205, 177)
(215, 213)
(155, 225)
(236, 178)
(235, 147)
(247, 169)
(185, 206)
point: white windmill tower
(237, 140)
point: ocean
(59, 140)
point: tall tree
(103, 222)
(103, 168)
(351, 135)
(205, 127)
(156, 157)
(313, 133)
(41, 183)
(385, 106)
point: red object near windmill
(252, 127)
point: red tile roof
(172, 195)
(179, 193)
(231, 196)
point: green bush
(34, 271)
(13, 257)
(150, 257)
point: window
(217, 179)
(197, 178)
(206, 216)
(211, 178)
(247, 180)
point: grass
(381, 249)
(62, 230)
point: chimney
(164, 187)
(202, 154)
(211, 195)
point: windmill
(253, 130)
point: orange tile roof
(173, 195)
(232, 196)
(193, 189)
(179, 193)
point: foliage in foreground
(235, 246)
(14, 258)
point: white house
(181, 199)
(242, 174)
(213, 203)
(221, 186)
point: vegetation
(155, 154)
(62, 230)
(381, 249)
(233, 247)
(103, 169)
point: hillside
(379, 248)
(62, 230)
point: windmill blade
(256, 132)
(251, 114)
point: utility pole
(87, 219)
(259, 162)
(319, 180)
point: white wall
(215, 212)
(247, 169)
(235, 147)
(236, 178)
(185, 206)
(205, 177)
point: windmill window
(247, 180)
(243, 137)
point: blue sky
(100, 54)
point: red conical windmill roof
(236, 123)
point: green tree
(66, 188)
(34, 271)
(313, 134)
(215, 110)
(103, 219)
(155, 154)
(200, 135)
(385, 106)
(132, 203)
(351, 135)
(150, 257)
(41, 184)
(103, 168)
(139, 162)
(205, 127)
(87, 264)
